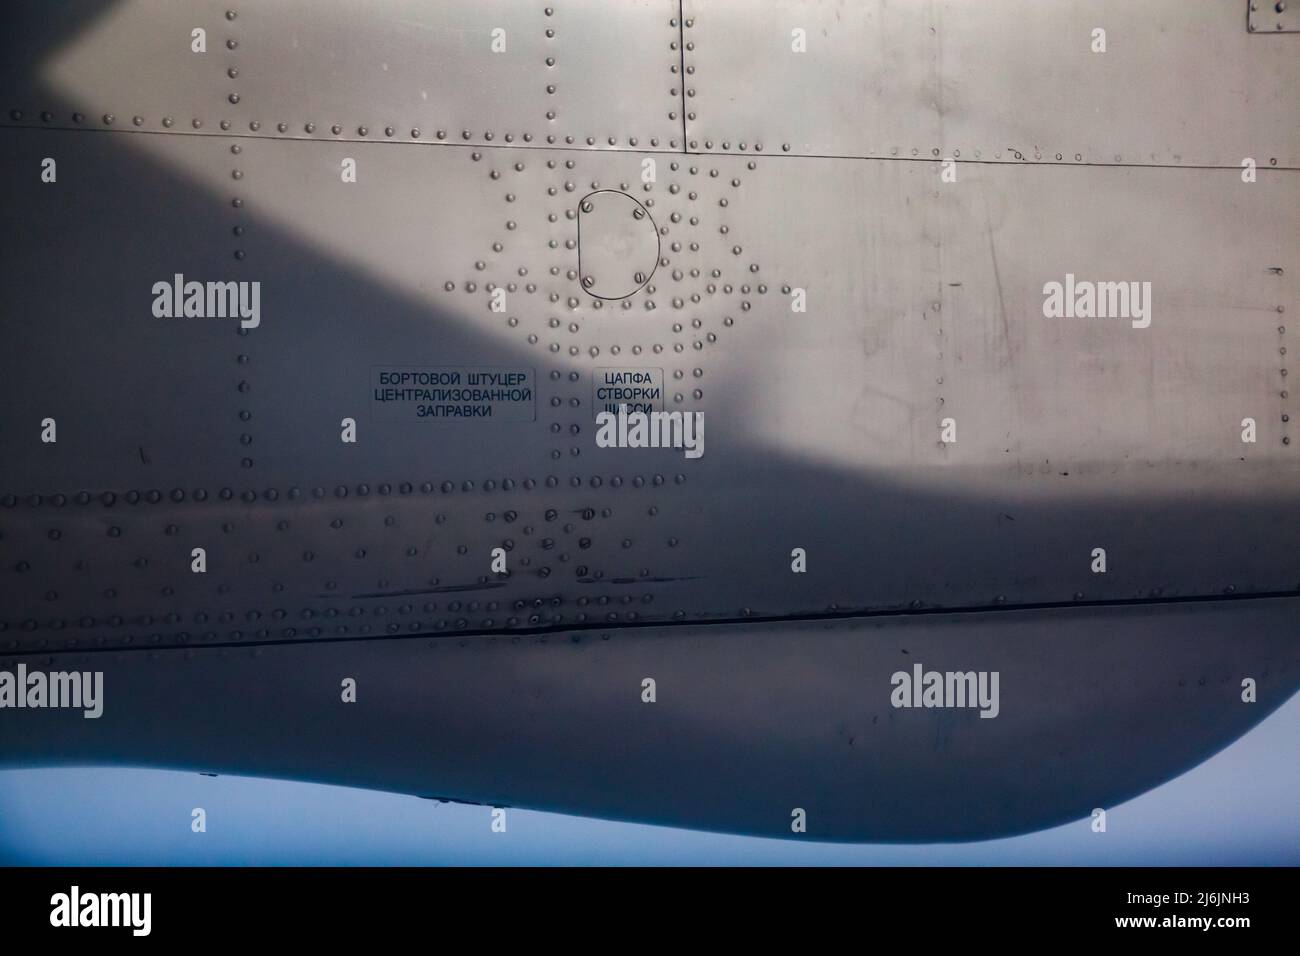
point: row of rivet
(87, 622)
(237, 174)
(633, 142)
(533, 620)
(467, 136)
(154, 496)
(415, 627)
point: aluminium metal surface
(823, 432)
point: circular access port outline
(618, 244)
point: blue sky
(1238, 808)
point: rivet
(336, 129)
(233, 97)
(108, 119)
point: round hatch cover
(618, 244)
